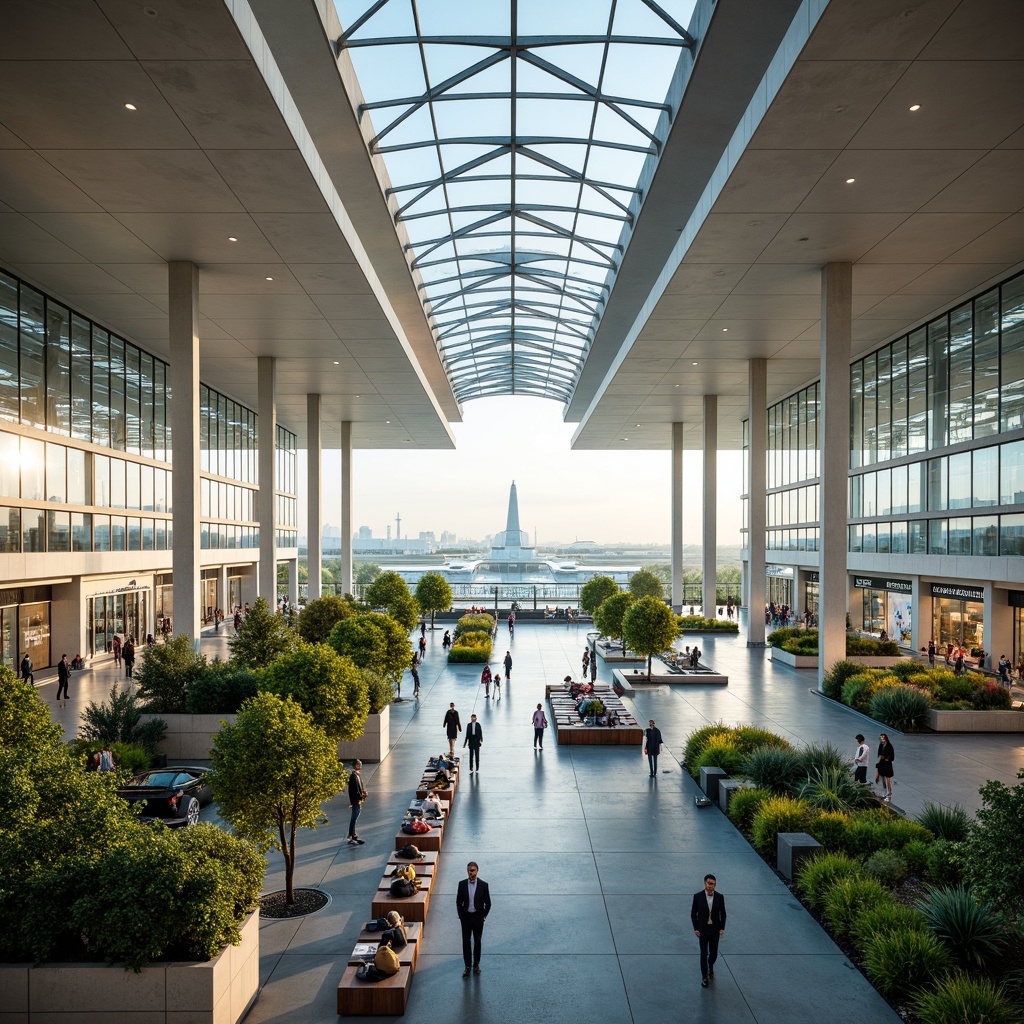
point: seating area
(389, 996)
(615, 726)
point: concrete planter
(375, 742)
(975, 721)
(811, 661)
(218, 992)
(189, 737)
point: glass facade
(792, 472)
(287, 510)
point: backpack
(410, 852)
(395, 937)
(377, 925)
(419, 827)
(408, 829)
(402, 887)
(403, 871)
(386, 960)
(368, 972)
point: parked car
(174, 795)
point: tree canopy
(649, 628)
(373, 641)
(390, 592)
(610, 613)
(328, 687)
(645, 584)
(595, 591)
(433, 594)
(366, 573)
(993, 855)
(273, 769)
(320, 616)
(262, 637)
(166, 672)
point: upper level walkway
(591, 863)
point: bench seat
(387, 997)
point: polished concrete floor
(591, 863)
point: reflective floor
(591, 863)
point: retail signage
(813, 577)
(962, 593)
(1015, 598)
(778, 570)
(882, 583)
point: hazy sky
(566, 495)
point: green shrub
(805, 645)
(901, 707)
(464, 655)
(954, 705)
(973, 932)
(830, 830)
(952, 823)
(834, 789)
(378, 689)
(751, 737)
(845, 899)
(887, 866)
(818, 873)
(865, 647)
(946, 862)
(773, 768)
(901, 961)
(697, 740)
(915, 855)
(221, 689)
(695, 622)
(991, 697)
(476, 621)
(778, 814)
(777, 637)
(836, 676)
(906, 670)
(716, 755)
(119, 721)
(816, 757)
(880, 829)
(960, 999)
(743, 805)
(856, 693)
(951, 687)
(884, 919)
(166, 672)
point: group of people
(884, 757)
(589, 664)
(777, 615)
(124, 652)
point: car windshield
(161, 779)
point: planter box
(189, 737)
(218, 992)
(375, 742)
(811, 660)
(975, 721)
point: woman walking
(886, 756)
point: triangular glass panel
(581, 60)
(571, 155)
(467, 17)
(610, 126)
(393, 19)
(494, 79)
(389, 71)
(658, 62)
(445, 60)
(634, 18)
(417, 127)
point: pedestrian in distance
(497, 686)
(128, 657)
(473, 904)
(652, 747)
(860, 760)
(485, 681)
(586, 661)
(511, 623)
(508, 665)
(452, 727)
(474, 740)
(63, 676)
(423, 647)
(883, 767)
(931, 653)
(707, 914)
(540, 723)
(356, 796)
(26, 670)
(115, 646)
(593, 669)
(107, 763)
(415, 681)
(446, 640)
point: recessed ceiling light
(130, 106)
(677, 385)
(916, 106)
(336, 362)
(359, 396)
(725, 329)
(387, 421)
(269, 279)
(694, 365)
(638, 424)
(850, 181)
(231, 238)
(625, 439)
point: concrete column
(183, 330)
(222, 591)
(314, 513)
(346, 508)
(920, 628)
(757, 390)
(267, 499)
(677, 516)
(710, 534)
(998, 619)
(834, 456)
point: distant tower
(398, 526)
(512, 522)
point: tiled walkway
(591, 863)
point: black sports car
(173, 795)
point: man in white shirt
(860, 760)
(473, 903)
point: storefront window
(958, 622)
(8, 624)
(34, 633)
(874, 612)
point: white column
(710, 533)
(757, 389)
(314, 513)
(183, 329)
(834, 457)
(677, 516)
(267, 500)
(222, 591)
(346, 507)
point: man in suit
(452, 726)
(474, 740)
(707, 914)
(473, 902)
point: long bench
(387, 997)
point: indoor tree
(596, 590)
(645, 584)
(390, 592)
(375, 641)
(433, 594)
(610, 613)
(649, 627)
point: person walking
(415, 681)
(586, 661)
(128, 656)
(860, 760)
(707, 913)
(452, 726)
(652, 747)
(1004, 670)
(931, 653)
(26, 670)
(474, 740)
(497, 686)
(473, 904)
(115, 647)
(423, 647)
(508, 664)
(886, 756)
(593, 669)
(356, 796)
(540, 723)
(485, 681)
(63, 675)
(511, 623)
(446, 640)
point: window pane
(899, 537)
(1011, 473)
(117, 486)
(1012, 370)
(161, 535)
(917, 537)
(100, 387)
(118, 438)
(938, 383)
(899, 490)
(78, 479)
(986, 477)
(32, 372)
(936, 536)
(959, 537)
(868, 536)
(56, 473)
(118, 530)
(917, 392)
(147, 535)
(986, 364)
(936, 485)
(146, 404)
(986, 535)
(1011, 539)
(882, 537)
(101, 480)
(9, 348)
(81, 380)
(134, 533)
(160, 491)
(959, 480)
(10, 530)
(81, 531)
(133, 399)
(159, 440)
(883, 481)
(33, 482)
(33, 526)
(58, 369)
(10, 466)
(961, 374)
(133, 485)
(147, 489)
(101, 533)
(58, 529)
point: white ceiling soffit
(213, 165)
(934, 212)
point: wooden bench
(387, 997)
(413, 932)
(424, 874)
(412, 908)
(407, 955)
(424, 840)
(446, 806)
(448, 793)
(429, 857)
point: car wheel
(191, 811)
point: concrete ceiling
(95, 199)
(935, 212)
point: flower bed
(473, 639)
(698, 624)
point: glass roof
(515, 134)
